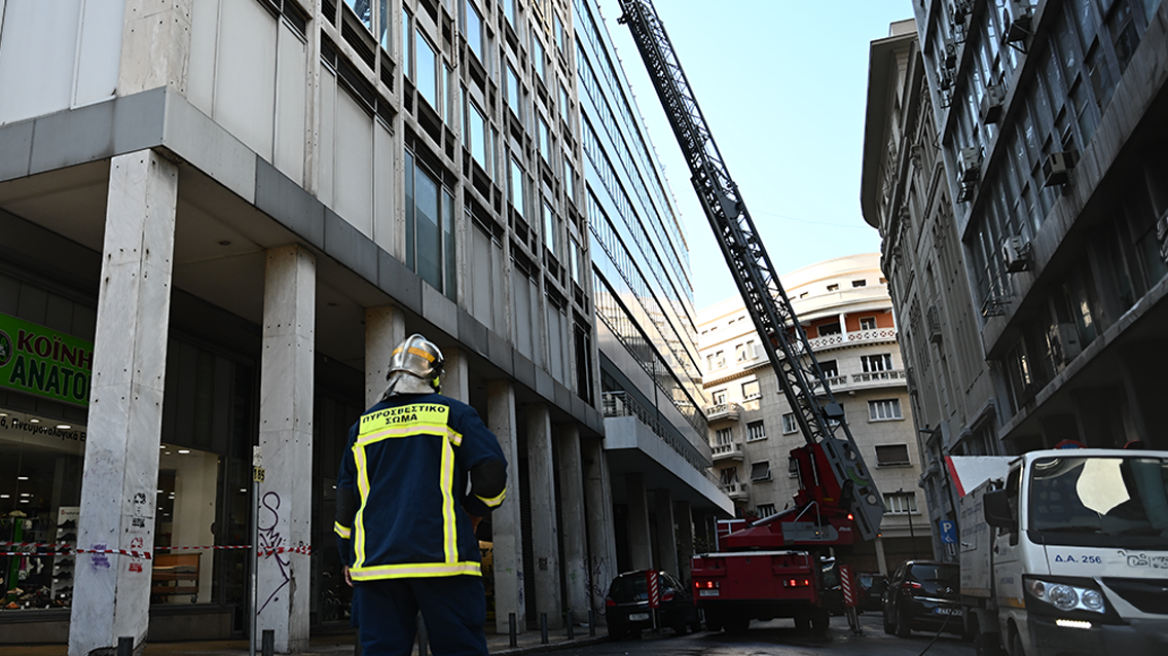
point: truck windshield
(1093, 501)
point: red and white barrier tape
(69, 550)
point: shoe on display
(12, 605)
(68, 537)
(65, 563)
(17, 513)
(63, 576)
(69, 524)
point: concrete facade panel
(345, 243)
(16, 149)
(245, 95)
(288, 203)
(292, 85)
(38, 49)
(400, 282)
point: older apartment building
(219, 217)
(1014, 163)
(844, 308)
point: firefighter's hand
(348, 579)
(474, 522)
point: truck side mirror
(996, 505)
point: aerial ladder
(837, 501)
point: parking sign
(948, 531)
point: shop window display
(40, 491)
(41, 462)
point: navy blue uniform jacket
(406, 469)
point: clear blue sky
(783, 86)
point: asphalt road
(780, 637)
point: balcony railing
(722, 411)
(735, 490)
(891, 375)
(728, 451)
(853, 337)
(620, 404)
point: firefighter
(405, 518)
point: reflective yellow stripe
(343, 531)
(363, 488)
(449, 520)
(402, 431)
(415, 570)
(494, 501)
(405, 416)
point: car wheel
(889, 628)
(679, 626)
(696, 625)
(902, 624)
(988, 644)
(1016, 646)
(615, 631)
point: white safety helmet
(419, 357)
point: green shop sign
(37, 360)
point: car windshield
(626, 588)
(946, 574)
(1117, 502)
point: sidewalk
(329, 645)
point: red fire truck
(775, 567)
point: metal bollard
(125, 646)
(568, 621)
(268, 644)
(543, 637)
(514, 638)
(591, 622)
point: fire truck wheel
(679, 626)
(713, 621)
(889, 628)
(802, 623)
(820, 621)
(737, 624)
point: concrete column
(640, 543)
(575, 535)
(284, 515)
(666, 532)
(506, 527)
(599, 518)
(120, 477)
(881, 561)
(456, 379)
(385, 328)
(544, 531)
(685, 538)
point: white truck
(1065, 551)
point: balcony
(727, 411)
(735, 490)
(889, 378)
(729, 451)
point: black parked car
(923, 594)
(627, 605)
(872, 586)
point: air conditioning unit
(950, 54)
(969, 162)
(1018, 21)
(1068, 335)
(946, 79)
(1057, 168)
(965, 193)
(959, 10)
(992, 102)
(1016, 253)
